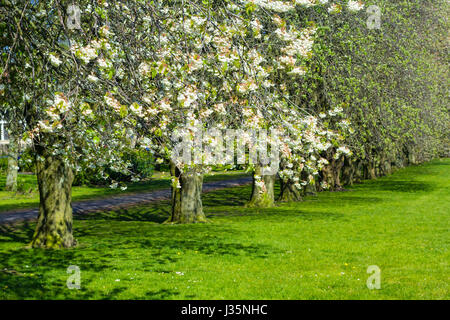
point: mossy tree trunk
(358, 175)
(327, 175)
(262, 196)
(348, 171)
(372, 170)
(378, 166)
(187, 198)
(311, 189)
(13, 166)
(412, 159)
(387, 168)
(289, 193)
(369, 170)
(54, 225)
(385, 164)
(337, 167)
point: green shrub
(141, 162)
(27, 161)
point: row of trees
(348, 102)
(391, 84)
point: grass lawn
(29, 198)
(318, 249)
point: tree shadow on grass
(41, 274)
(207, 239)
(162, 294)
(30, 273)
(278, 214)
(107, 245)
(14, 234)
(152, 212)
(231, 197)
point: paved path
(121, 201)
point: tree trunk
(385, 165)
(387, 169)
(347, 171)
(13, 167)
(369, 170)
(311, 189)
(263, 196)
(358, 174)
(289, 193)
(54, 225)
(377, 166)
(186, 197)
(327, 176)
(338, 164)
(411, 156)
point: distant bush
(27, 161)
(142, 163)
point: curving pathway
(118, 202)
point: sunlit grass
(318, 249)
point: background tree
(388, 81)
